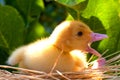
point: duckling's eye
(80, 33)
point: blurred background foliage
(25, 21)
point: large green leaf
(74, 7)
(107, 13)
(30, 11)
(11, 28)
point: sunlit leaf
(36, 31)
(69, 2)
(69, 17)
(107, 14)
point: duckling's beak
(95, 37)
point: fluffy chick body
(66, 40)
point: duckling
(69, 43)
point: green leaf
(69, 17)
(11, 28)
(69, 2)
(106, 14)
(74, 7)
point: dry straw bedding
(104, 73)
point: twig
(112, 54)
(22, 69)
(56, 62)
(62, 75)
